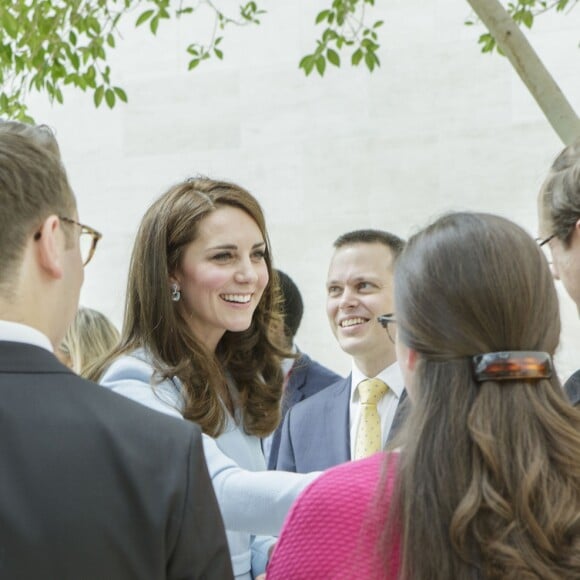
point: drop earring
(175, 293)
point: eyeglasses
(543, 243)
(385, 320)
(88, 239)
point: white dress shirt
(16, 332)
(387, 406)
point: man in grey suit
(303, 376)
(92, 485)
(322, 431)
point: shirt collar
(17, 332)
(391, 375)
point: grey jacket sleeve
(286, 460)
(201, 550)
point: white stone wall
(438, 127)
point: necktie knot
(371, 391)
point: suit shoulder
(336, 392)
(120, 413)
(323, 373)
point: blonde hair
(90, 336)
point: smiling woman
(200, 342)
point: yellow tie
(368, 437)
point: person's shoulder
(321, 372)
(572, 388)
(124, 411)
(134, 365)
(332, 391)
(355, 482)
(329, 396)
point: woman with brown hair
(200, 342)
(486, 480)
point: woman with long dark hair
(201, 341)
(485, 481)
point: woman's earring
(175, 293)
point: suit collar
(18, 357)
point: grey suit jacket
(306, 379)
(94, 486)
(316, 432)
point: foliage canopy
(46, 45)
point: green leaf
(322, 16)
(307, 63)
(111, 40)
(333, 57)
(193, 63)
(110, 98)
(154, 24)
(370, 60)
(10, 24)
(121, 94)
(528, 19)
(75, 61)
(321, 65)
(144, 17)
(98, 96)
(378, 23)
(356, 57)
(218, 53)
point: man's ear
(50, 246)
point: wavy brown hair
(152, 321)
(489, 473)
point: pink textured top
(333, 530)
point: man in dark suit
(326, 429)
(92, 486)
(303, 377)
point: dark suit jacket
(572, 388)
(306, 379)
(316, 432)
(94, 486)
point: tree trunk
(530, 68)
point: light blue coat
(253, 501)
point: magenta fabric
(333, 529)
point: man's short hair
(33, 186)
(292, 305)
(393, 242)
